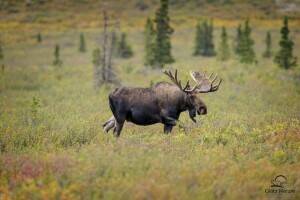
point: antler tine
(211, 75)
(220, 81)
(194, 88)
(216, 87)
(214, 78)
(177, 82)
(186, 86)
(173, 78)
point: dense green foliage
(268, 41)
(124, 50)
(224, 51)
(149, 35)
(284, 58)
(163, 31)
(82, 47)
(246, 52)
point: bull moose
(161, 103)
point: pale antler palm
(205, 83)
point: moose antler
(177, 82)
(205, 83)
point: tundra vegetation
(52, 145)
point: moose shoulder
(161, 103)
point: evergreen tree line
(158, 46)
(243, 44)
(123, 49)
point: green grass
(58, 150)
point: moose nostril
(203, 111)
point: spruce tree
(247, 54)
(162, 52)
(39, 38)
(237, 41)
(124, 50)
(1, 52)
(209, 48)
(211, 38)
(1, 58)
(199, 40)
(82, 43)
(284, 58)
(204, 44)
(224, 51)
(57, 60)
(268, 41)
(149, 43)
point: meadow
(52, 145)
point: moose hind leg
(109, 124)
(118, 127)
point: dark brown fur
(161, 103)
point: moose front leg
(192, 114)
(118, 127)
(168, 129)
(169, 121)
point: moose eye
(192, 97)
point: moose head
(204, 84)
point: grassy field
(52, 145)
